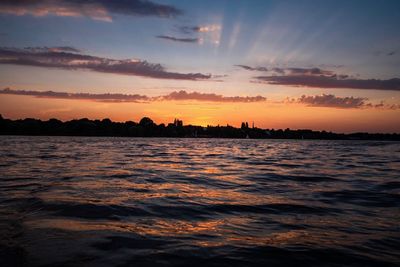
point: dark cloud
(183, 95)
(320, 78)
(324, 100)
(383, 105)
(278, 70)
(307, 71)
(175, 39)
(391, 53)
(177, 96)
(82, 96)
(334, 81)
(96, 9)
(290, 71)
(333, 101)
(252, 68)
(74, 61)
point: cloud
(207, 33)
(333, 81)
(347, 102)
(81, 96)
(329, 101)
(188, 29)
(119, 98)
(252, 68)
(332, 101)
(307, 71)
(385, 53)
(74, 61)
(183, 95)
(320, 78)
(204, 28)
(53, 49)
(289, 71)
(95, 9)
(175, 39)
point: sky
(322, 65)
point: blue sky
(357, 34)
(276, 43)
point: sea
(114, 201)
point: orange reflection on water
(220, 229)
(125, 192)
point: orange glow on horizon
(264, 114)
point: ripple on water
(73, 201)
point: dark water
(76, 201)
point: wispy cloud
(53, 49)
(203, 28)
(74, 61)
(188, 29)
(110, 97)
(207, 33)
(385, 52)
(175, 39)
(304, 71)
(95, 9)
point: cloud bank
(316, 77)
(120, 98)
(53, 49)
(95, 9)
(183, 95)
(73, 61)
(331, 82)
(332, 101)
(324, 100)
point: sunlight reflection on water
(123, 201)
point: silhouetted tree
(146, 122)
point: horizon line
(227, 125)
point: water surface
(92, 201)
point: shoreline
(147, 128)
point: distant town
(147, 128)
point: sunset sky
(323, 65)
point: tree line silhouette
(147, 128)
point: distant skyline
(322, 65)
